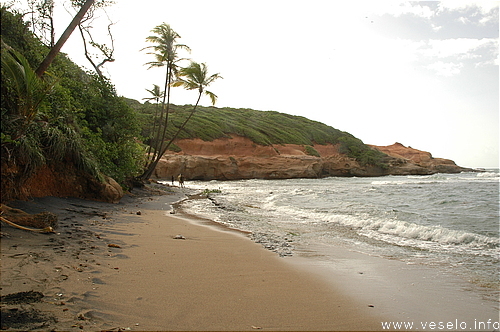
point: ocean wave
(403, 182)
(408, 230)
(488, 175)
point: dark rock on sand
(24, 318)
(21, 297)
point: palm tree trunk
(159, 142)
(148, 153)
(183, 125)
(57, 47)
(153, 165)
(167, 88)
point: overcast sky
(424, 74)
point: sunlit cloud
(455, 47)
(398, 9)
(486, 11)
(484, 6)
(446, 69)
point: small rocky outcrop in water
(413, 157)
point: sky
(424, 74)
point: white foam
(487, 175)
(407, 230)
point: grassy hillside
(262, 127)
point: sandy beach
(136, 266)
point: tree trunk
(182, 126)
(159, 143)
(152, 166)
(57, 47)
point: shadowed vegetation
(68, 116)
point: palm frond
(30, 89)
(195, 77)
(213, 97)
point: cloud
(448, 57)
(458, 47)
(446, 69)
(479, 13)
(405, 8)
(436, 27)
(484, 6)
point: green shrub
(311, 151)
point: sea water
(450, 221)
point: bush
(311, 151)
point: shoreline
(125, 270)
(120, 267)
(406, 292)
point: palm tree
(194, 77)
(165, 53)
(156, 95)
(30, 90)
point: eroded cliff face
(239, 158)
(61, 180)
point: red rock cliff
(409, 155)
(240, 158)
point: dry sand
(211, 279)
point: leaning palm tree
(156, 95)
(64, 37)
(165, 53)
(194, 77)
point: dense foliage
(79, 120)
(262, 127)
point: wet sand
(135, 266)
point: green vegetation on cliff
(262, 127)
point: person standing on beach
(181, 180)
(172, 180)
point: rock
(111, 191)
(410, 161)
(239, 158)
(21, 297)
(179, 237)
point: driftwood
(43, 222)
